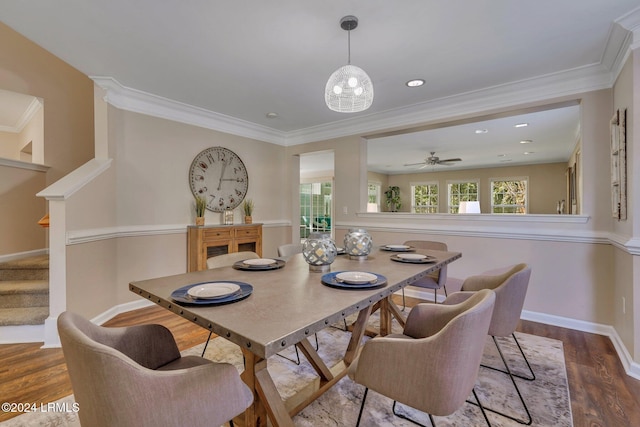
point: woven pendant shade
(349, 90)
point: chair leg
(515, 385)
(532, 376)
(484, 414)
(364, 397)
(404, 303)
(297, 361)
(206, 343)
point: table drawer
(217, 234)
(247, 232)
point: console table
(206, 241)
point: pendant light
(349, 89)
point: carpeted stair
(24, 291)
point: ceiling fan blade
(415, 164)
(450, 160)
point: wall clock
(219, 175)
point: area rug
(547, 396)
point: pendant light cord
(349, 47)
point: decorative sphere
(319, 251)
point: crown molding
(32, 109)
(137, 101)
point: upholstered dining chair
(435, 280)
(285, 251)
(135, 376)
(510, 286)
(433, 365)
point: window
(373, 194)
(461, 191)
(509, 195)
(424, 197)
(315, 208)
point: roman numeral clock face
(219, 175)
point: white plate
(356, 277)
(411, 256)
(259, 261)
(213, 290)
(397, 246)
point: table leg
(359, 328)
(256, 414)
(385, 317)
(267, 391)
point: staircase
(24, 291)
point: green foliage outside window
(425, 198)
(462, 192)
(509, 196)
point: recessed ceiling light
(526, 141)
(501, 155)
(529, 152)
(415, 83)
(521, 125)
(271, 115)
(482, 131)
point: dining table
(286, 305)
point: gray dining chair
(433, 365)
(289, 249)
(510, 286)
(437, 279)
(135, 376)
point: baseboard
(20, 255)
(21, 334)
(119, 309)
(631, 367)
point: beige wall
(9, 142)
(146, 191)
(33, 133)
(547, 185)
(21, 210)
(67, 95)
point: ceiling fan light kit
(349, 89)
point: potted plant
(247, 208)
(393, 198)
(201, 206)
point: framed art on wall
(619, 165)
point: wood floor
(601, 393)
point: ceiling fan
(433, 160)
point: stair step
(31, 268)
(24, 293)
(23, 316)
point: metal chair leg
(206, 343)
(366, 390)
(515, 385)
(532, 376)
(297, 361)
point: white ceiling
(245, 59)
